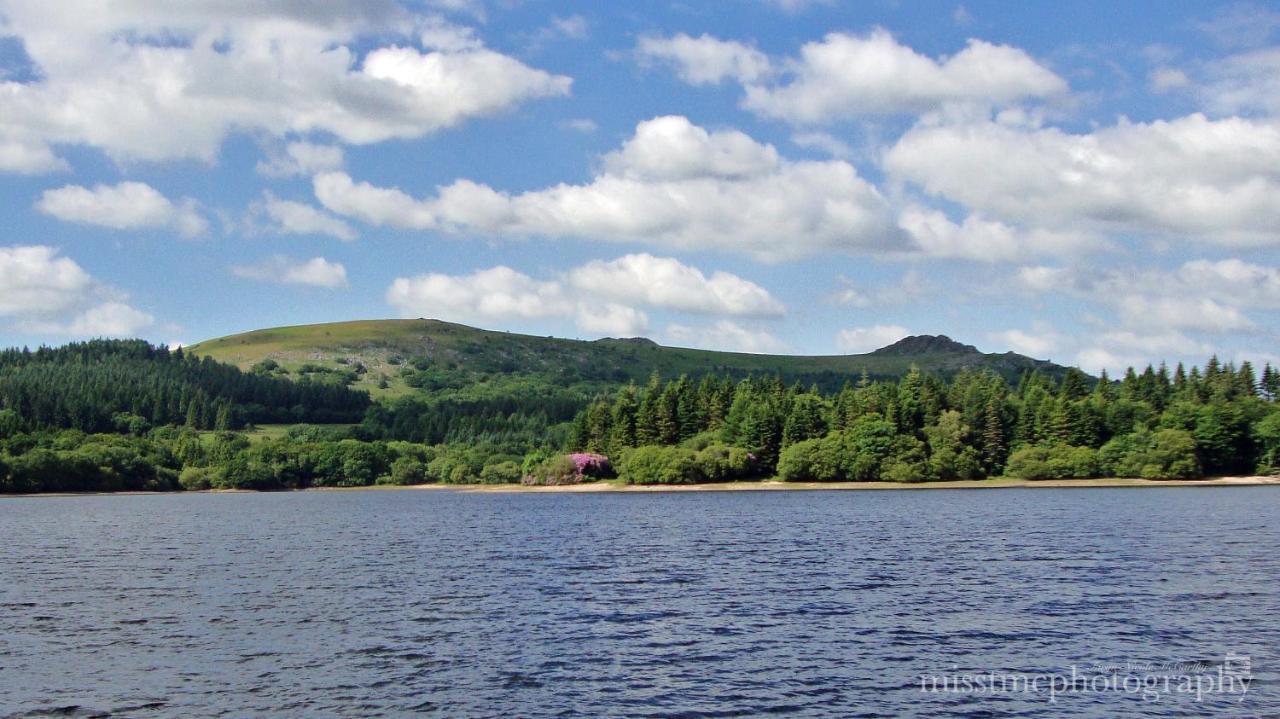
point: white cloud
(859, 340)
(302, 219)
(1242, 24)
(581, 124)
(371, 205)
(159, 81)
(125, 206)
(49, 294)
(706, 60)
(1180, 313)
(315, 272)
(612, 319)
(1249, 82)
(977, 238)
(110, 319)
(29, 157)
(1032, 344)
(726, 335)
(913, 286)
(601, 295)
(673, 184)
(1232, 281)
(1118, 350)
(1191, 177)
(302, 159)
(572, 26)
(666, 282)
(35, 280)
(850, 76)
(1165, 79)
(496, 293)
(795, 6)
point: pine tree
(1074, 385)
(995, 446)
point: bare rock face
(926, 344)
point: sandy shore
(756, 486)
(770, 485)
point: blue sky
(1087, 182)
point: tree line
(1218, 420)
(130, 386)
(112, 415)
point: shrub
(659, 465)
(809, 461)
(198, 478)
(1059, 461)
(558, 470)
(500, 473)
(1165, 454)
(722, 463)
(408, 471)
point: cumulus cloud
(159, 81)
(601, 296)
(1156, 312)
(1116, 351)
(298, 218)
(845, 75)
(496, 293)
(315, 272)
(1233, 281)
(1191, 177)
(1038, 343)
(44, 292)
(668, 283)
(673, 184)
(302, 159)
(977, 238)
(706, 60)
(1181, 313)
(612, 319)
(726, 335)
(1247, 83)
(110, 319)
(124, 206)
(858, 340)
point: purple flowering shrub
(569, 469)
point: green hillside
(389, 357)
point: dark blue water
(402, 603)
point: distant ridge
(925, 344)
(382, 352)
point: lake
(699, 604)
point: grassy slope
(466, 351)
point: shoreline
(767, 485)
(778, 486)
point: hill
(393, 357)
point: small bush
(1053, 462)
(500, 473)
(558, 470)
(194, 479)
(659, 465)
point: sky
(1093, 183)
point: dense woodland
(123, 415)
(124, 385)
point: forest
(125, 415)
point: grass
(264, 432)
